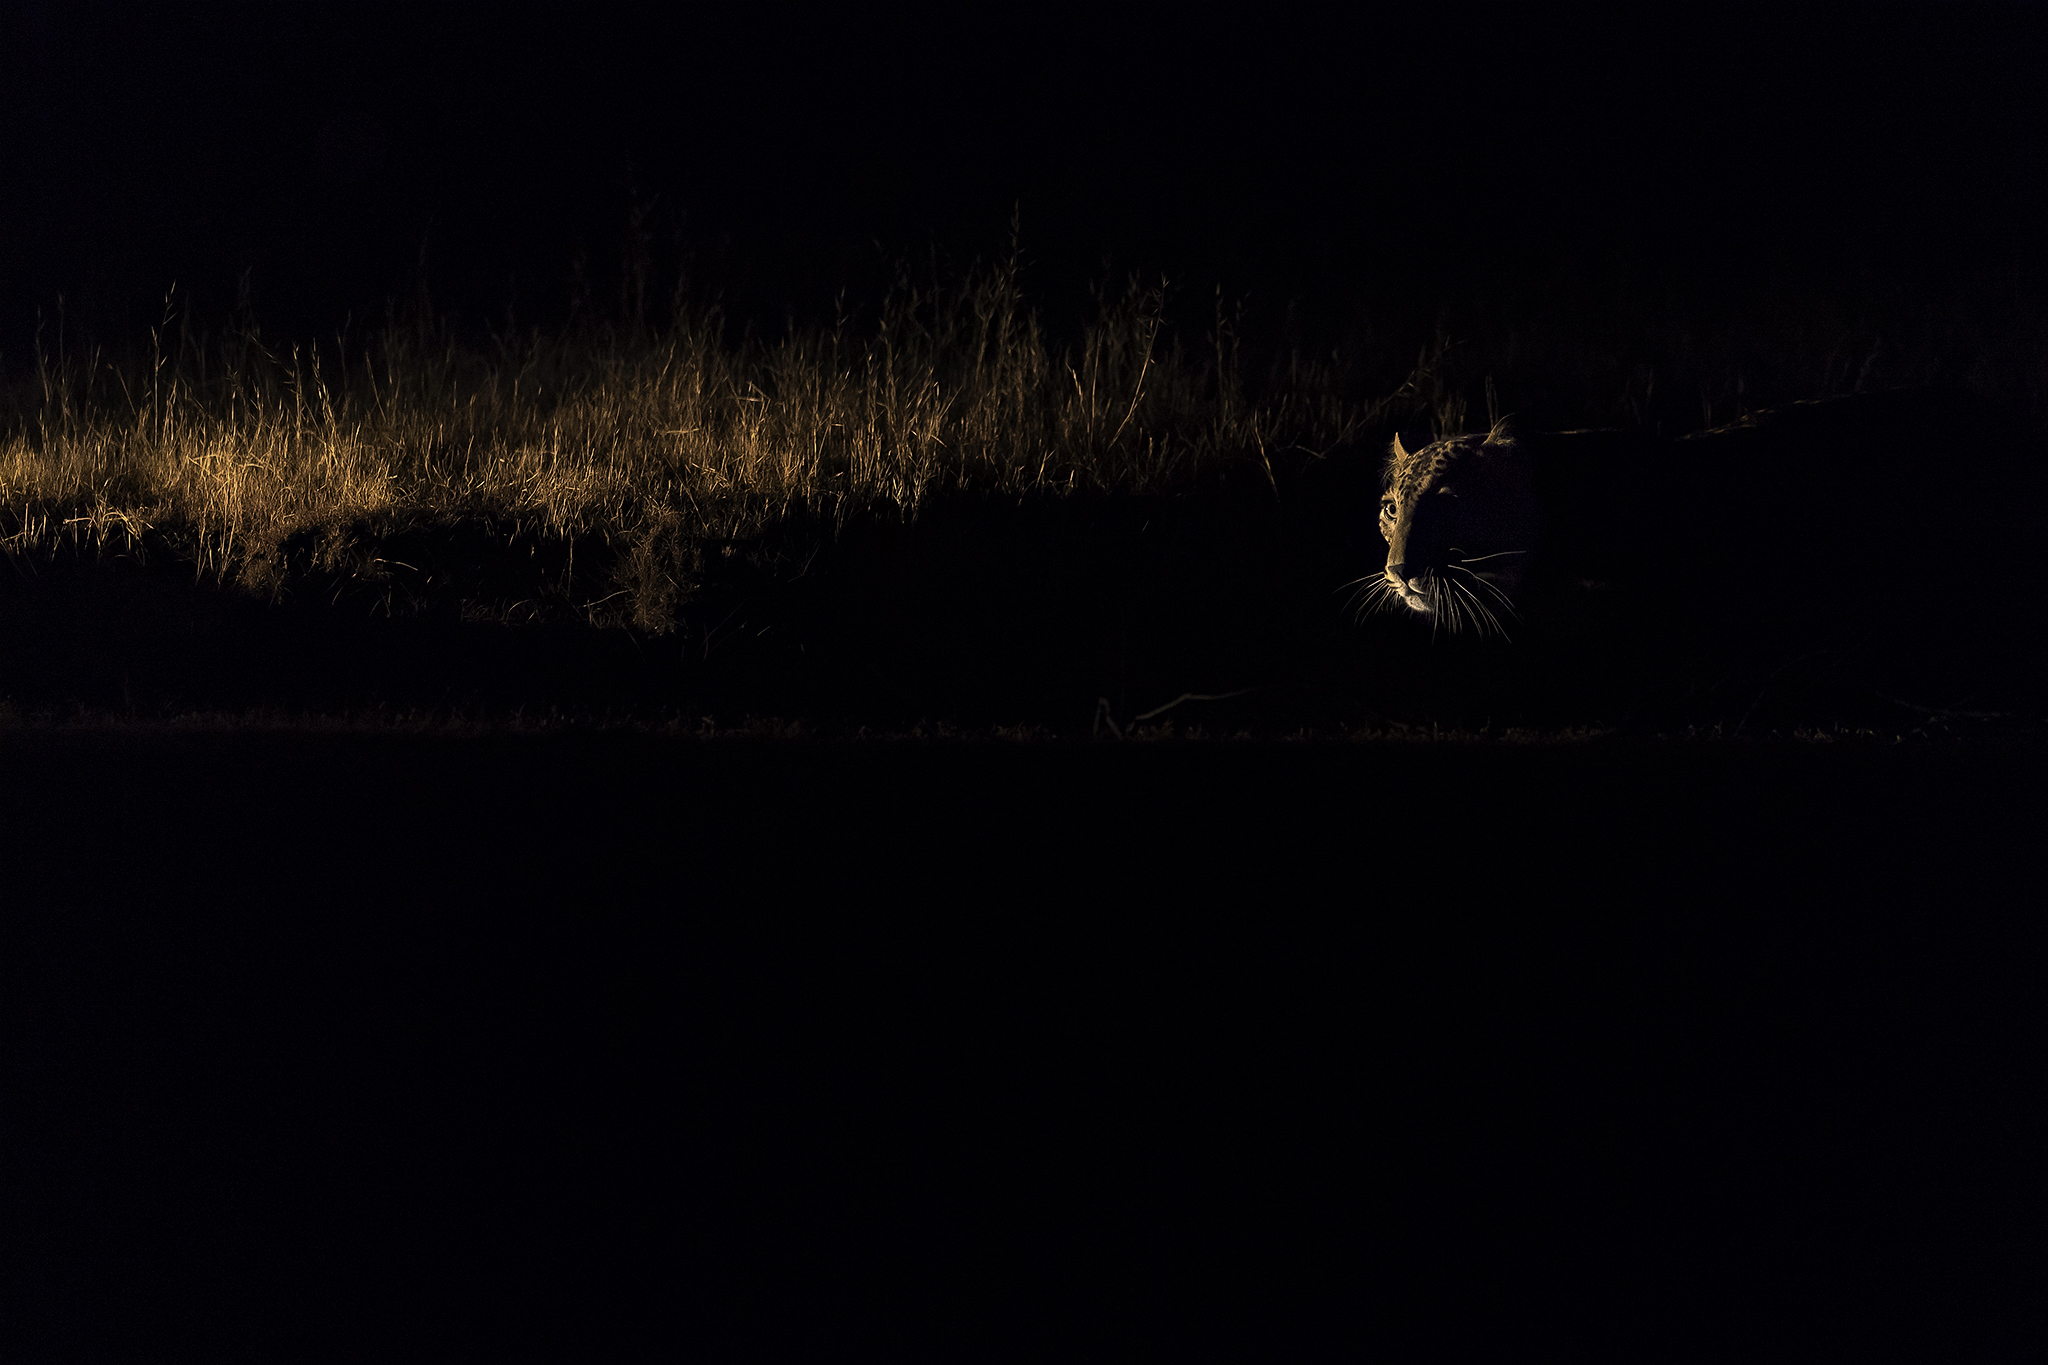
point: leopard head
(1459, 519)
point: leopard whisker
(1473, 602)
(1493, 588)
(1482, 619)
(1479, 611)
(1370, 594)
(1373, 606)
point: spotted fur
(1459, 518)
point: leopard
(1460, 519)
(1500, 531)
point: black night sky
(1319, 165)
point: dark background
(1338, 170)
(320, 1043)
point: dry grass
(224, 449)
(221, 450)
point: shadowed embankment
(528, 1045)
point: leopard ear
(1399, 452)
